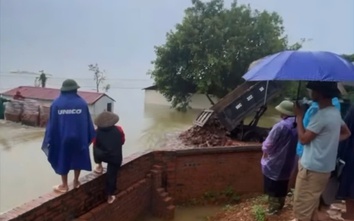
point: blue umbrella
(301, 66)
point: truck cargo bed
(239, 103)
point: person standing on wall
(279, 150)
(320, 139)
(107, 147)
(68, 135)
(346, 178)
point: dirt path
(254, 209)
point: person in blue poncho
(68, 135)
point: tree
(99, 77)
(349, 57)
(211, 49)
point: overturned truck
(231, 111)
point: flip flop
(111, 200)
(58, 189)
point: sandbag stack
(30, 114)
(43, 115)
(13, 110)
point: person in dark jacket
(108, 148)
(346, 179)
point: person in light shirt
(320, 139)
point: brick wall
(194, 173)
(152, 181)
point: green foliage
(228, 196)
(209, 195)
(210, 50)
(227, 207)
(349, 57)
(259, 213)
(261, 199)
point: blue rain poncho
(69, 134)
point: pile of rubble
(13, 110)
(43, 115)
(28, 112)
(213, 133)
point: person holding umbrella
(320, 139)
(310, 112)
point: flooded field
(26, 174)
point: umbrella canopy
(301, 66)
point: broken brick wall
(151, 182)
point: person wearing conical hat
(279, 151)
(68, 135)
(108, 148)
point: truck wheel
(252, 136)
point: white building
(97, 102)
(198, 101)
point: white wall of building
(198, 101)
(101, 105)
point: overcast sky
(63, 37)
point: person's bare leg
(64, 182)
(76, 178)
(63, 187)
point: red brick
(189, 174)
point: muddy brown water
(25, 173)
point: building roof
(191, 88)
(153, 87)
(50, 94)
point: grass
(226, 196)
(259, 213)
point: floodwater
(201, 213)
(25, 173)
